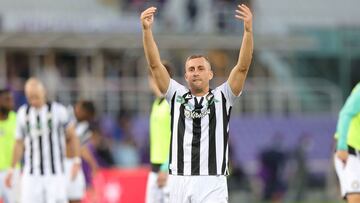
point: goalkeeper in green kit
(347, 156)
(156, 189)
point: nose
(196, 73)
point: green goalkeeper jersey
(159, 131)
(7, 140)
(348, 127)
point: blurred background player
(83, 117)
(156, 190)
(7, 141)
(41, 129)
(347, 158)
(200, 116)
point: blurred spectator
(223, 15)
(100, 147)
(124, 150)
(238, 179)
(50, 76)
(18, 94)
(192, 12)
(299, 180)
(272, 160)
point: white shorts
(75, 188)
(154, 194)
(196, 189)
(9, 195)
(43, 189)
(349, 176)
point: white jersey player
(82, 116)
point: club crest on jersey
(196, 114)
(183, 101)
(189, 109)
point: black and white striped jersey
(43, 132)
(199, 130)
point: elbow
(153, 65)
(243, 69)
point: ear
(211, 75)
(185, 76)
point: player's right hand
(342, 155)
(147, 18)
(8, 179)
(161, 179)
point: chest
(7, 128)
(198, 108)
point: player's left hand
(244, 13)
(8, 179)
(343, 156)
(75, 170)
(161, 179)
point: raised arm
(238, 73)
(152, 54)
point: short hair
(4, 91)
(195, 56)
(88, 106)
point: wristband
(77, 160)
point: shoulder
(22, 109)
(12, 115)
(20, 116)
(222, 87)
(177, 86)
(58, 106)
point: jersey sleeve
(71, 112)
(83, 131)
(20, 129)
(165, 166)
(63, 114)
(172, 89)
(228, 93)
(350, 109)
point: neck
(41, 105)
(200, 92)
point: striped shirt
(199, 130)
(43, 132)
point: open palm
(244, 13)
